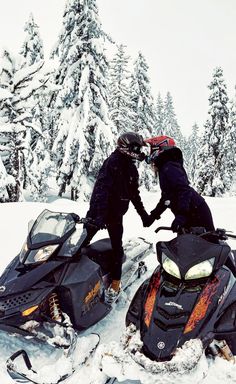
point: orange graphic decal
(150, 301)
(91, 294)
(200, 309)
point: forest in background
(60, 118)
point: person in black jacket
(189, 208)
(116, 185)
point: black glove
(97, 223)
(178, 223)
(147, 219)
(155, 215)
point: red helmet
(158, 145)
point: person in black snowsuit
(116, 185)
(189, 208)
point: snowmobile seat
(100, 252)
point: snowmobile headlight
(41, 255)
(200, 270)
(170, 266)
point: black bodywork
(72, 273)
(169, 311)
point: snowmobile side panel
(15, 281)
(82, 293)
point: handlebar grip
(75, 217)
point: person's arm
(136, 200)
(135, 195)
(160, 208)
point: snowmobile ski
(30, 375)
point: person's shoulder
(171, 165)
(114, 161)
(173, 169)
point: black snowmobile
(55, 284)
(190, 295)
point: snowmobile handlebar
(219, 233)
(163, 228)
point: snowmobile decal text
(151, 297)
(203, 303)
(93, 292)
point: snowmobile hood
(180, 313)
(14, 281)
(188, 250)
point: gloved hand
(147, 219)
(155, 215)
(97, 223)
(178, 223)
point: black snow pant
(115, 230)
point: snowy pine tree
(143, 111)
(84, 138)
(231, 143)
(170, 124)
(38, 161)
(142, 100)
(159, 117)
(17, 87)
(7, 182)
(191, 150)
(213, 170)
(32, 49)
(119, 92)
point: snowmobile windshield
(51, 227)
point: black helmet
(131, 143)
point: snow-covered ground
(13, 229)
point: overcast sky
(182, 40)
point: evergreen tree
(32, 49)
(143, 111)
(84, 137)
(231, 143)
(213, 169)
(7, 182)
(119, 92)
(32, 52)
(17, 86)
(170, 124)
(142, 100)
(191, 150)
(159, 117)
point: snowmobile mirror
(163, 228)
